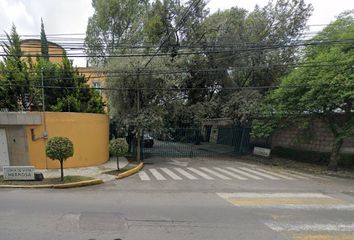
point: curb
(58, 186)
(78, 184)
(130, 171)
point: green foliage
(138, 90)
(114, 22)
(325, 92)
(16, 76)
(198, 94)
(68, 91)
(44, 43)
(118, 147)
(59, 148)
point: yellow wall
(88, 132)
(32, 48)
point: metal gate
(196, 142)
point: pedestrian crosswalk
(212, 173)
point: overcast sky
(70, 16)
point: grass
(67, 179)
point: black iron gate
(196, 142)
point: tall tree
(16, 77)
(66, 89)
(322, 92)
(113, 24)
(44, 43)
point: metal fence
(195, 142)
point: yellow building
(32, 48)
(23, 136)
(95, 79)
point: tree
(16, 75)
(44, 43)
(68, 90)
(224, 39)
(278, 23)
(59, 148)
(118, 147)
(325, 92)
(113, 24)
(139, 96)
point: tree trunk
(333, 163)
(61, 170)
(118, 163)
(138, 147)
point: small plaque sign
(18, 172)
(264, 152)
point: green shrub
(321, 158)
(118, 147)
(59, 148)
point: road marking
(200, 173)
(276, 174)
(259, 173)
(244, 173)
(234, 175)
(271, 195)
(215, 173)
(178, 163)
(186, 174)
(171, 174)
(317, 236)
(157, 175)
(284, 200)
(339, 227)
(298, 175)
(143, 176)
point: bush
(322, 158)
(118, 147)
(59, 148)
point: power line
(116, 73)
(178, 27)
(185, 88)
(231, 49)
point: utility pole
(45, 133)
(43, 103)
(138, 132)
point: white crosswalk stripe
(215, 173)
(234, 175)
(171, 174)
(186, 174)
(244, 173)
(143, 176)
(200, 173)
(156, 174)
(276, 174)
(212, 173)
(259, 173)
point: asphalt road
(187, 199)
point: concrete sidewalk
(95, 172)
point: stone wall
(317, 138)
